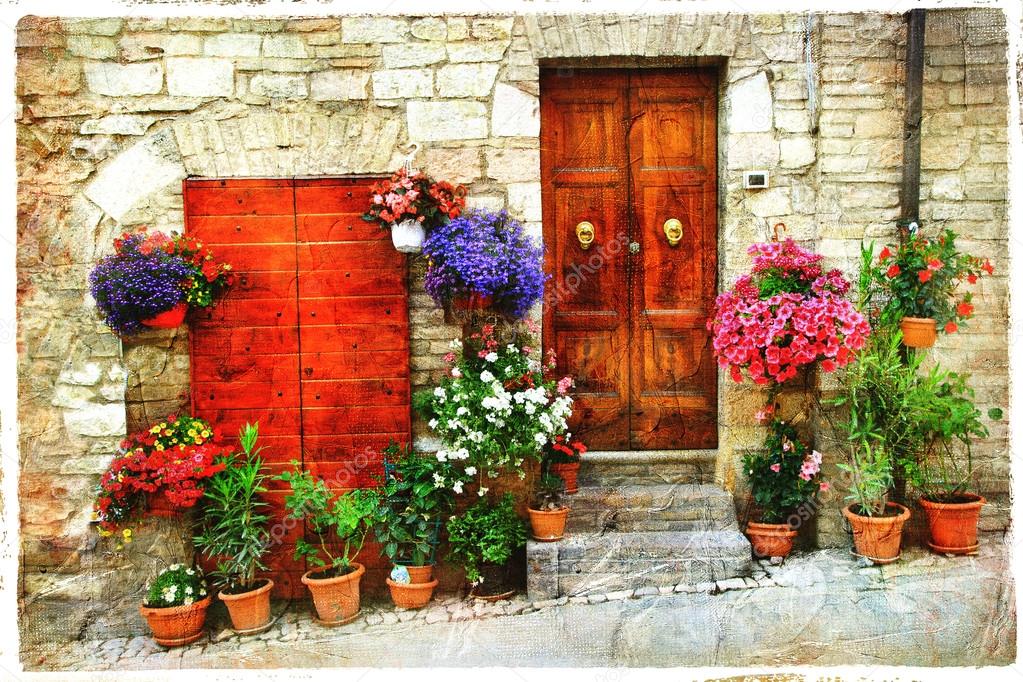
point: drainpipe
(909, 195)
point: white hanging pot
(407, 236)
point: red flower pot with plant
(562, 459)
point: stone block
(524, 201)
(284, 45)
(516, 113)
(48, 77)
(232, 45)
(339, 85)
(454, 165)
(200, 77)
(412, 54)
(145, 168)
(797, 152)
(373, 30)
(96, 27)
(96, 420)
(492, 28)
(466, 80)
(124, 80)
(430, 28)
(402, 83)
(476, 51)
(117, 124)
(513, 165)
(750, 105)
(93, 47)
(278, 86)
(452, 120)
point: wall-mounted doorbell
(756, 179)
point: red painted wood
(312, 342)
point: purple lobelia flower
(131, 286)
(488, 254)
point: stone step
(627, 467)
(658, 507)
(592, 563)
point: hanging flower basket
(170, 319)
(409, 203)
(918, 332)
(407, 236)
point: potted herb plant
(484, 260)
(547, 513)
(921, 278)
(562, 459)
(783, 476)
(346, 518)
(175, 605)
(410, 203)
(948, 421)
(235, 534)
(482, 540)
(408, 522)
(151, 280)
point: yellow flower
(158, 446)
(105, 533)
(181, 447)
(205, 433)
(155, 429)
(167, 432)
(191, 432)
(127, 534)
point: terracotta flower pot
(548, 526)
(420, 574)
(770, 539)
(953, 525)
(918, 332)
(159, 505)
(336, 599)
(176, 625)
(413, 595)
(878, 538)
(250, 611)
(168, 319)
(569, 473)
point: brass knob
(673, 231)
(585, 233)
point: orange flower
(951, 327)
(884, 255)
(987, 267)
(964, 309)
(894, 271)
(924, 275)
(971, 278)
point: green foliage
(347, 517)
(409, 516)
(234, 524)
(783, 474)
(549, 490)
(485, 534)
(176, 585)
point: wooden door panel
(230, 231)
(368, 255)
(355, 365)
(259, 257)
(242, 201)
(243, 342)
(237, 312)
(246, 394)
(339, 227)
(342, 312)
(334, 393)
(327, 339)
(252, 285)
(272, 369)
(354, 282)
(358, 448)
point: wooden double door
(311, 342)
(629, 192)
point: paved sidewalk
(819, 608)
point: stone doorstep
(651, 507)
(630, 467)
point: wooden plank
(354, 282)
(343, 311)
(339, 227)
(258, 285)
(246, 395)
(356, 365)
(337, 196)
(233, 342)
(346, 338)
(355, 420)
(217, 231)
(240, 201)
(345, 393)
(274, 369)
(236, 312)
(375, 255)
(259, 257)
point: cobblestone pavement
(823, 607)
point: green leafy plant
(409, 516)
(784, 474)
(347, 518)
(176, 585)
(234, 524)
(485, 534)
(549, 489)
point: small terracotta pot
(770, 539)
(918, 332)
(878, 538)
(413, 595)
(176, 625)
(250, 611)
(420, 574)
(569, 473)
(548, 526)
(336, 599)
(159, 505)
(169, 319)
(953, 525)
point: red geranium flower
(964, 309)
(988, 268)
(971, 278)
(924, 275)
(951, 327)
(934, 264)
(884, 255)
(893, 271)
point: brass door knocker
(585, 233)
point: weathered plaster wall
(114, 113)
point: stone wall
(113, 113)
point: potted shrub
(785, 314)
(235, 534)
(948, 422)
(175, 605)
(548, 514)
(159, 472)
(496, 408)
(920, 279)
(784, 476)
(482, 540)
(484, 260)
(410, 203)
(408, 521)
(347, 519)
(562, 459)
(151, 280)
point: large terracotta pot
(953, 525)
(168, 319)
(878, 538)
(249, 611)
(413, 595)
(176, 625)
(420, 574)
(548, 526)
(770, 539)
(569, 473)
(918, 332)
(336, 599)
